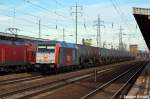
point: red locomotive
(16, 55)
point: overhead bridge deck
(141, 88)
(142, 16)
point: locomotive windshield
(45, 48)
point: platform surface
(141, 88)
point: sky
(56, 15)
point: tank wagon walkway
(141, 88)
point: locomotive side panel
(12, 55)
(67, 56)
(31, 53)
(19, 53)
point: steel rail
(115, 94)
(105, 84)
(48, 86)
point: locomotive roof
(60, 43)
(8, 36)
(11, 42)
(50, 42)
(67, 45)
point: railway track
(27, 91)
(14, 76)
(37, 89)
(17, 80)
(83, 87)
(126, 79)
(32, 91)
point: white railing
(143, 11)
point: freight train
(51, 56)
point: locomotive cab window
(49, 49)
(42, 49)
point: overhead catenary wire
(122, 16)
(35, 6)
(41, 7)
(29, 21)
(120, 13)
(23, 19)
(46, 9)
(62, 21)
(32, 16)
(59, 3)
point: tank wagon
(87, 55)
